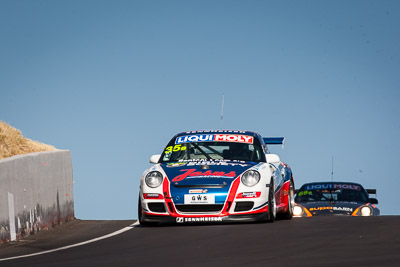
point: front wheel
(140, 214)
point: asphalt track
(317, 241)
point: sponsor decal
(216, 163)
(248, 195)
(152, 196)
(176, 164)
(234, 138)
(342, 209)
(331, 208)
(211, 160)
(197, 191)
(215, 137)
(198, 219)
(199, 199)
(192, 173)
(216, 131)
(321, 208)
(333, 186)
(202, 219)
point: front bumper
(163, 209)
(331, 210)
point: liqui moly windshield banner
(215, 137)
(333, 186)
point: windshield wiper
(201, 150)
(331, 199)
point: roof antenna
(222, 111)
(332, 169)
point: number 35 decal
(174, 148)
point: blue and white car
(216, 176)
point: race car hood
(205, 172)
(331, 208)
(213, 177)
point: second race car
(216, 176)
(334, 198)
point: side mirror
(272, 158)
(373, 200)
(155, 158)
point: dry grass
(13, 143)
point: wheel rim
(273, 206)
(291, 199)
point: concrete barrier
(36, 192)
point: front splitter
(187, 219)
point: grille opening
(156, 207)
(244, 206)
(199, 208)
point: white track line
(77, 244)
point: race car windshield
(213, 151)
(331, 192)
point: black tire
(140, 214)
(271, 203)
(289, 213)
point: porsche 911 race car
(216, 176)
(334, 198)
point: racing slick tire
(140, 215)
(271, 203)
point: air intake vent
(199, 208)
(244, 206)
(156, 207)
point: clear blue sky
(113, 81)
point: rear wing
(371, 199)
(274, 141)
(371, 191)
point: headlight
(366, 211)
(153, 179)
(250, 178)
(297, 211)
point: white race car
(216, 176)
